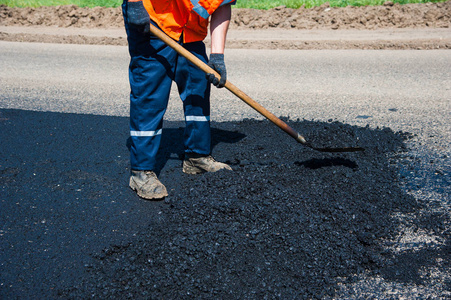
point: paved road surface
(394, 38)
(404, 90)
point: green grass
(258, 4)
(81, 3)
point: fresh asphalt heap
(287, 222)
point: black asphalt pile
(289, 222)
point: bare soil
(388, 16)
(324, 17)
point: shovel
(240, 94)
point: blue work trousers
(153, 67)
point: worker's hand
(216, 62)
(137, 15)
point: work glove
(216, 62)
(137, 15)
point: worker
(153, 67)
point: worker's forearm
(219, 25)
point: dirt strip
(426, 15)
(391, 26)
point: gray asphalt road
(403, 90)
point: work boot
(147, 185)
(197, 164)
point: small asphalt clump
(289, 222)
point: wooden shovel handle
(228, 85)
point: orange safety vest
(189, 17)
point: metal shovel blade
(344, 149)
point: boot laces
(150, 174)
(210, 158)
